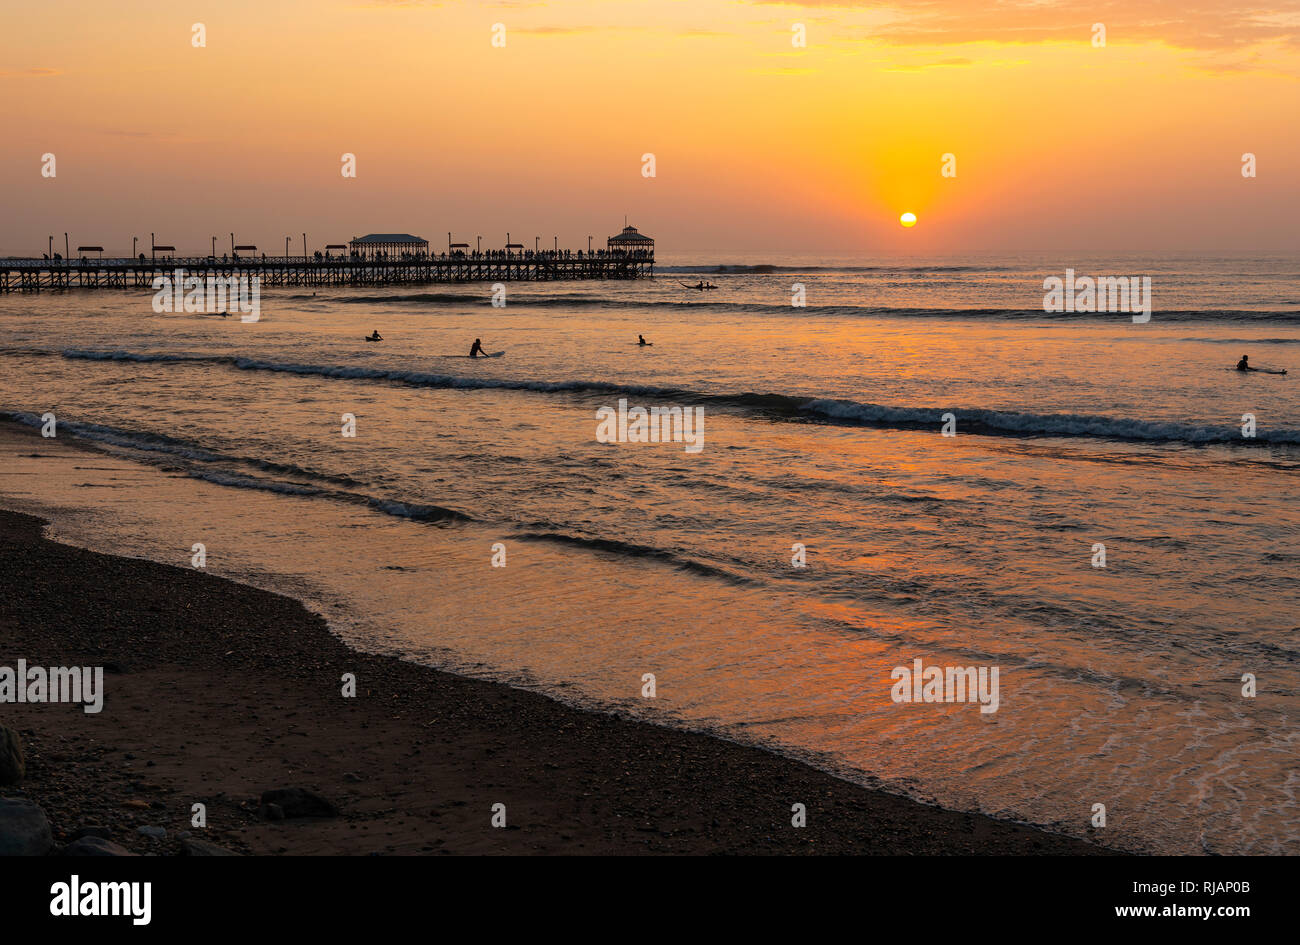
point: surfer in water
(640, 340)
(477, 349)
(375, 336)
(1244, 365)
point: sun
(908, 219)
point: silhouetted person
(477, 349)
(374, 336)
(1243, 364)
(641, 341)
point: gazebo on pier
(387, 244)
(630, 241)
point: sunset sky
(760, 147)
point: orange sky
(760, 147)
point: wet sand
(216, 692)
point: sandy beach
(216, 692)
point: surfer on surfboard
(1244, 365)
(375, 336)
(640, 340)
(477, 349)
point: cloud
(1187, 24)
(936, 64)
(553, 30)
(27, 73)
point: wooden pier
(34, 275)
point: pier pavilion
(389, 245)
(631, 242)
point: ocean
(476, 522)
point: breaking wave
(774, 405)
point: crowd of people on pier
(496, 254)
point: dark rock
(157, 833)
(193, 847)
(272, 812)
(12, 766)
(95, 846)
(24, 830)
(104, 833)
(299, 802)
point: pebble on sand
(95, 846)
(24, 829)
(296, 802)
(12, 767)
